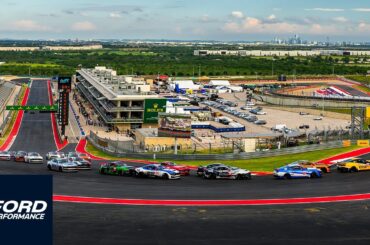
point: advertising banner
(174, 125)
(151, 109)
(26, 212)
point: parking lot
(273, 117)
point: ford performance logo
(23, 210)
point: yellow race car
(354, 165)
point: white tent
(185, 84)
(219, 83)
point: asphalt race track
(80, 223)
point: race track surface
(78, 223)
(36, 132)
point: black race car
(201, 169)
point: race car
(82, 164)
(116, 168)
(33, 157)
(12, 154)
(184, 170)
(226, 172)
(296, 172)
(19, 156)
(354, 165)
(72, 154)
(5, 155)
(307, 164)
(157, 171)
(201, 169)
(54, 154)
(62, 165)
(84, 156)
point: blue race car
(157, 171)
(296, 172)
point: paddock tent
(219, 83)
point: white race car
(62, 165)
(33, 157)
(54, 154)
(5, 155)
(157, 171)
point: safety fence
(120, 150)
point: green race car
(116, 168)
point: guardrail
(237, 156)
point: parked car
(226, 172)
(251, 118)
(62, 165)
(157, 171)
(304, 126)
(246, 108)
(296, 172)
(303, 113)
(33, 157)
(116, 168)
(318, 118)
(260, 122)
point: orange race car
(307, 164)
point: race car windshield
(63, 161)
(33, 154)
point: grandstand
(6, 90)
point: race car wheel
(140, 175)
(121, 173)
(102, 171)
(324, 170)
(353, 169)
(60, 169)
(287, 176)
(313, 175)
(166, 176)
(49, 167)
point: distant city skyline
(223, 20)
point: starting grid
(33, 108)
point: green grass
(360, 78)
(259, 164)
(362, 88)
(14, 116)
(340, 110)
(32, 65)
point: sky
(226, 20)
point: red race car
(184, 170)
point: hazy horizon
(236, 20)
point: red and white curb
(247, 202)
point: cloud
(28, 25)
(325, 9)
(273, 25)
(271, 17)
(361, 9)
(237, 14)
(340, 19)
(83, 26)
(115, 15)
